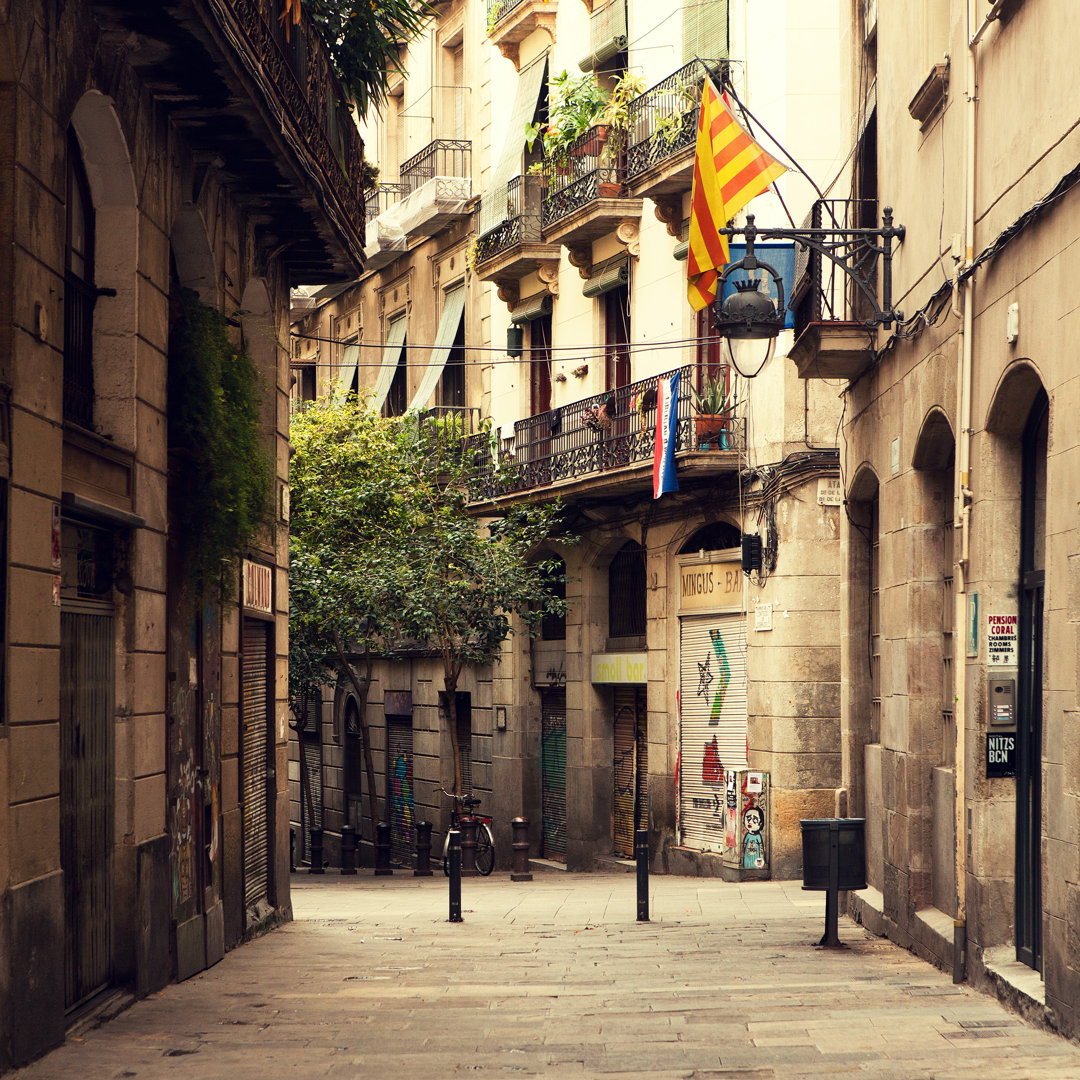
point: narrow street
(555, 977)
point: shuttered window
(705, 30)
(712, 735)
(256, 730)
(553, 772)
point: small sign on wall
(763, 616)
(829, 491)
(1001, 754)
(1001, 639)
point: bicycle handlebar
(465, 800)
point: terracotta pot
(710, 428)
(609, 189)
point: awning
(609, 275)
(607, 35)
(532, 307)
(493, 204)
(395, 340)
(344, 379)
(449, 321)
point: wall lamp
(751, 320)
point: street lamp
(750, 320)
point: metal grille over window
(713, 723)
(626, 592)
(256, 821)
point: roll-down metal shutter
(311, 802)
(255, 677)
(399, 778)
(553, 772)
(631, 766)
(712, 737)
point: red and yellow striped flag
(729, 170)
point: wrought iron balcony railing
(821, 291)
(497, 10)
(599, 434)
(382, 197)
(520, 225)
(663, 120)
(443, 157)
(298, 68)
(592, 167)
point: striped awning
(452, 313)
(395, 342)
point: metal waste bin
(850, 848)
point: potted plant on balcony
(574, 106)
(616, 118)
(712, 421)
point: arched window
(79, 293)
(626, 592)
(553, 627)
(716, 536)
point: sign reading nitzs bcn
(708, 586)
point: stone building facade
(673, 666)
(960, 474)
(143, 802)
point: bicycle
(485, 841)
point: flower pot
(609, 189)
(712, 429)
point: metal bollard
(292, 850)
(520, 871)
(831, 937)
(382, 849)
(641, 852)
(423, 849)
(348, 849)
(469, 827)
(315, 853)
(454, 855)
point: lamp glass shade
(750, 355)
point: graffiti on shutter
(399, 780)
(712, 734)
(553, 772)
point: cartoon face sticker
(753, 820)
(753, 843)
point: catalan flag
(729, 170)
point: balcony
(663, 132)
(269, 108)
(515, 247)
(385, 238)
(586, 192)
(510, 22)
(832, 338)
(568, 450)
(436, 188)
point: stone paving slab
(556, 978)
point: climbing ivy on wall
(220, 472)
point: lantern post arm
(853, 251)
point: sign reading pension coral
(1001, 638)
(630, 667)
(710, 586)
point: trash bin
(851, 852)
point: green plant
(711, 399)
(220, 473)
(574, 106)
(470, 252)
(495, 14)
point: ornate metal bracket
(853, 251)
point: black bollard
(423, 849)
(641, 853)
(316, 852)
(454, 856)
(292, 850)
(831, 937)
(469, 827)
(348, 849)
(520, 845)
(382, 850)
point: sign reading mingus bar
(258, 587)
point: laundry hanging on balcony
(453, 312)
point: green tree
(387, 557)
(364, 38)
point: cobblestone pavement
(556, 978)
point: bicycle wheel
(485, 850)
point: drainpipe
(962, 484)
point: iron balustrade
(382, 197)
(521, 224)
(664, 120)
(443, 157)
(821, 290)
(593, 166)
(497, 10)
(575, 440)
(299, 80)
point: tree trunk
(361, 700)
(450, 681)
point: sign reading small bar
(258, 587)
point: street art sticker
(753, 843)
(723, 676)
(731, 809)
